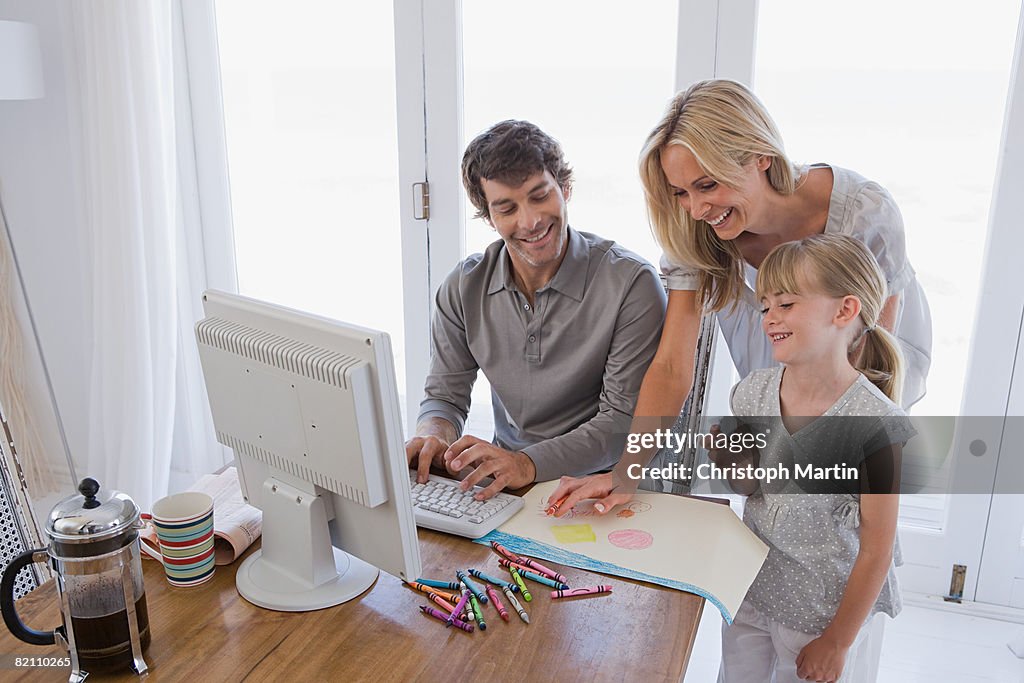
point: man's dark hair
(510, 152)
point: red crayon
(504, 552)
(553, 508)
(445, 606)
(508, 563)
(573, 592)
(493, 595)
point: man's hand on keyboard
(433, 436)
(422, 451)
(509, 469)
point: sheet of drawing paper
(684, 543)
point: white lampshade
(21, 62)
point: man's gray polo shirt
(564, 372)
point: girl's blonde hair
(838, 266)
(725, 127)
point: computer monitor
(310, 407)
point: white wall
(37, 181)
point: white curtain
(148, 409)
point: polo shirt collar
(570, 280)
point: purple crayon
(468, 628)
(459, 608)
(573, 592)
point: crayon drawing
(685, 543)
(630, 539)
(574, 533)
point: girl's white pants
(756, 649)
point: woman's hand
(576, 489)
(822, 659)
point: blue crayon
(543, 579)
(473, 588)
(497, 582)
(451, 585)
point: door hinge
(421, 201)
(956, 584)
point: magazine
(236, 524)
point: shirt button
(533, 338)
(526, 307)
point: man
(562, 323)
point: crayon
(429, 589)
(541, 569)
(504, 552)
(527, 562)
(490, 579)
(449, 585)
(543, 579)
(516, 606)
(522, 584)
(473, 588)
(502, 612)
(478, 612)
(442, 603)
(459, 607)
(533, 577)
(553, 508)
(573, 592)
(468, 628)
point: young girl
(830, 562)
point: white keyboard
(440, 505)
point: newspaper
(236, 524)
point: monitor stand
(297, 569)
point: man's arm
(449, 383)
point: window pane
(916, 102)
(309, 102)
(597, 80)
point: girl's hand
(600, 486)
(822, 659)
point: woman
(721, 194)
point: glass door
(914, 98)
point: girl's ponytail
(881, 361)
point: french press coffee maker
(94, 552)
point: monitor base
(264, 586)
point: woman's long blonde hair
(839, 266)
(725, 127)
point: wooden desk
(209, 633)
